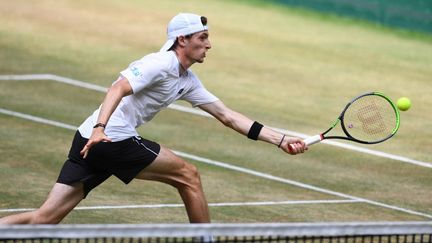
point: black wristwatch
(99, 125)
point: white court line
(243, 170)
(95, 87)
(225, 204)
(37, 119)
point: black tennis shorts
(124, 159)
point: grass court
(287, 68)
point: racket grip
(313, 140)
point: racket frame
(340, 119)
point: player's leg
(173, 170)
(60, 201)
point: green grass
(285, 67)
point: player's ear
(182, 40)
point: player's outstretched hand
(97, 136)
(293, 145)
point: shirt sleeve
(198, 94)
(143, 73)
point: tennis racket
(368, 119)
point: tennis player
(107, 143)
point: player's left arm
(247, 127)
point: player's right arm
(116, 92)
(243, 125)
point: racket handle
(313, 140)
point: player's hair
(174, 46)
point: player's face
(197, 46)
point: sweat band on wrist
(255, 130)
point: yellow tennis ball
(403, 104)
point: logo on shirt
(180, 91)
(135, 71)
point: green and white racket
(368, 119)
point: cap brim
(168, 44)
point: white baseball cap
(181, 25)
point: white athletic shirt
(156, 83)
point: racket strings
(370, 118)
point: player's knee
(194, 174)
(191, 176)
